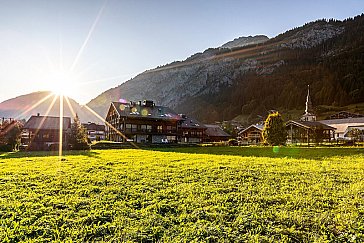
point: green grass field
(206, 194)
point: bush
(6, 148)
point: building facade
(43, 133)
(142, 122)
(251, 135)
(191, 130)
(309, 132)
(95, 132)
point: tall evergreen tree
(274, 132)
(78, 136)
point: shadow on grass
(271, 152)
(23, 154)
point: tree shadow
(23, 154)
(271, 152)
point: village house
(214, 133)
(142, 122)
(343, 126)
(43, 132)
(309, 132)
(95, 132)
(251, 135)
(191, 130)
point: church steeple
(309, 115)
(309, 109)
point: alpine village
(260, 139)
(147, 122)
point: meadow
(203, 194)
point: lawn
(207, 194)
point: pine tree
(78, 136)
(274, 132)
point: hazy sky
(92, 45)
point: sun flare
(63, 83)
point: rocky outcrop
(245, 41)
(203, 81)
(313, 36)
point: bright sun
(62, 83)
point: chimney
(38, 114)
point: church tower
(309, 115)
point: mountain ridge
(43, 103)
(222, 83)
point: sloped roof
(342, 124)
(344, 115)
(47, 122)
(215, 131)
(145, 112)
(257, 126)
(189, 122)
(310, 124)
(94, 126)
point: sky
(85, 47)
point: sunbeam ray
(44, 117)
(33, 106)
(70, 106)
(88, 36)
(60, 146)
(109, 125)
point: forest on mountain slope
(334, 70)
(224, 83)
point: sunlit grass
(139, 195)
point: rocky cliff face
(204, 80)
(245, 41)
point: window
(160, 129)
(134, 127)
(143, 128)
(128, 127)
(149, 128)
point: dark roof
(189, 122)
(344, 120)
(47, 122)
(343, 115)
(145, 112)
(256, 126)
(311, 124)
(94, 126)
(215, 131)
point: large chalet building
(43, 132)
(142, 122)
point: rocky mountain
(222, 83)
(245, 41)
(43, 102)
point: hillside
(24, 106)
(222, 83)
